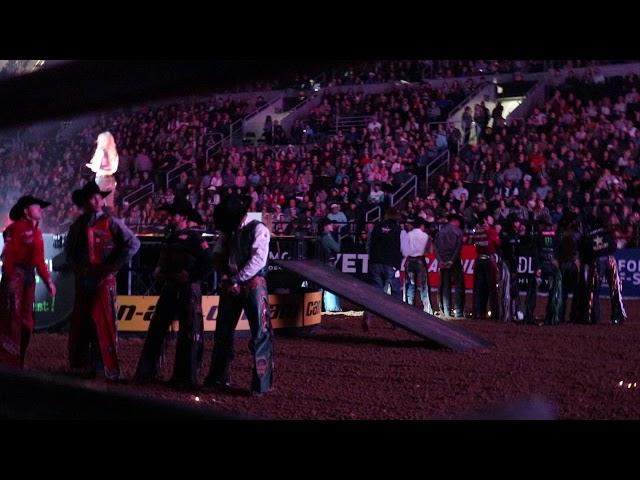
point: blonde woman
(105, 164)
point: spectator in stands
(337, 215)
(513, 173)
(268, 130)
(376, 196)
(327, 251)
(143, 162)
(467, 119)
(460, 191)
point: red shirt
(23, 245)
(537, 161)
(486, 240)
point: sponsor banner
(287, 249)
(629, 270)
(287, 311)
(468, 257)
(358, 264)
(628, 267)
(355, 263)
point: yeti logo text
(349, 262)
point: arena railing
(407, 188)
(435, 165)
(237, 129)
(211, 138)
(138, 195)
(373, 215)
(175, 172)
(348, 122)
(479, 89)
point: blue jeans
(417, 277)
(254, 300)
(382, 275)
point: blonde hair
(104, 144)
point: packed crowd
(151, 140)
(575, 151)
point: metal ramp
(391, 309)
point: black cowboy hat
(184, 208)
(230, 212)
(80, 196)
(17, 211)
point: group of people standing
(570, 258)
(98, 245)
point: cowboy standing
(183, 265)
(242, 253)
(416, 245)
(22, 256)
(97, 246)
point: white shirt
(103, 164)
(415, 243)
(403, 240)
(259, 252)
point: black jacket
(384, 246)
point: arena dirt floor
(340, 372)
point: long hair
(105, 144)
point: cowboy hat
(17, 211)
(80, 196)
